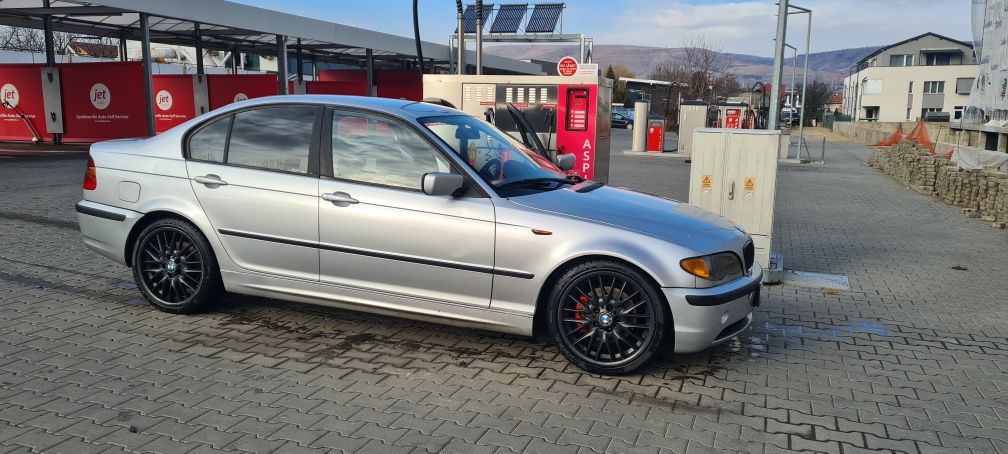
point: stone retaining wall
(874, 132)
(980, 193)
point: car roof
(399, 107)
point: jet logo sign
(100, 96)
(10, 95)
(241, 97)
(163, 100)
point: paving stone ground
(912, 359)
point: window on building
(910, 90)
(964, 85)
(872, 87)
(958, 112)
(871, 113)
(934, 87)
(909, 111)
(928, 110)
(901, 60)
(943, 59)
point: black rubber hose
(416, 35)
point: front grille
(749, 255)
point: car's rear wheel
(629, 126)
(606, 317)
(174, 267)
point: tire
(629, 126)
(175, 268)
(629, 328)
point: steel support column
(198, 35)
(300, 62)
(369, 71)
(145, 53)
(47, 30)
(235, 57)
(281, 42)
(479, 37)
(778, 66)
(461, 40)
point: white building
(906, 80)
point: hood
(655, 216)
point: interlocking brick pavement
(912, 359)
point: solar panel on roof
(469, 17)
(509, 18)
(544, 18)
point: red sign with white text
(228, 88)
(567, 66)
(21, 94)
(576, 127)
(174, 101)
(102, 101)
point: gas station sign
(567, 67)
(228, 88)
(21, 94)
(101, 100)
(174, 101)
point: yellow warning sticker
(705, 182)
(750, 184)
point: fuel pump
(570, 115)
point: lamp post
(808, 41)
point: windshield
(497, 157)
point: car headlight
(715, 267)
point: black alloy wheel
(606, 317)
(174, 267)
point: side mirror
(566, 161)
(441, 183)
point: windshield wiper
(534, 182)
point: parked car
(630, 119)
(415, 210)
(620, 121)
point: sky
(739, 26)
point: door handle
(210, 180)
(731, 191)
(339, 197)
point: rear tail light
(90, 176)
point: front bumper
(709, 316)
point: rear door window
(273, 138)
(209, 142)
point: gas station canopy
(227, 26)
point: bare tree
(24, 39)
(703, 67)
(817, 95)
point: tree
(702, 67)
(616, 73)
(817, 95)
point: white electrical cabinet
(734, 174)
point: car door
(379, 233)
(255, 173)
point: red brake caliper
(578, 315)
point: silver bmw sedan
(414, 210)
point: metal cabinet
(734, 174)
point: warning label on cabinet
(750, 184)
(705, 182)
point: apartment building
(909, 79)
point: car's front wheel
(174, 267)
(629, 126)
(606, 317)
